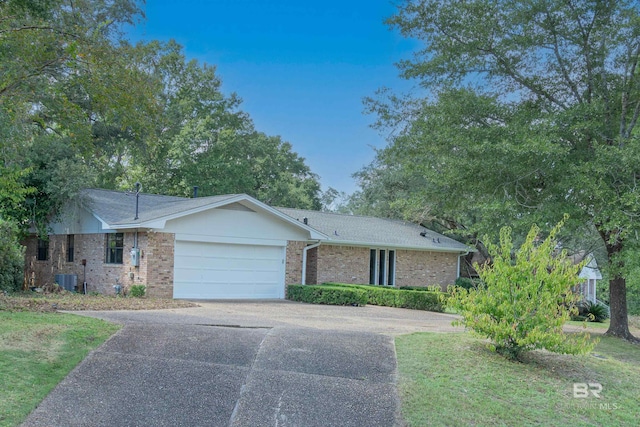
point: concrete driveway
(265, 363)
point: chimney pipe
(195, 191)
(137, 198)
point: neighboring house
(230, 247)
(589, 274)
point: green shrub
(348, 285)
(416, 288)
(322, 294)
(593, 312)
(11, 258)
(381, 296)
(465, 283)
(418, 298)
(137, 291)
(525, 298)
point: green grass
(37, 350)
(597, 325)
(453, 379)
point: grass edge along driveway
(37, 350)
(452, 379)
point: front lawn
(453, 379)
(37, 350)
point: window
(372, 267)
(391, 276)
(43, 250)
(382, 267)
(70, 248)
(382, 264)
(115, 248)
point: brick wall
(160, 256)
(293, 263)
(346, 264)
(312, 267)
(156, 274)
(420, 268)
(350, 264)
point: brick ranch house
(230, 247)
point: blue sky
(302, 68)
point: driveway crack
(243, 388)
(215, 325)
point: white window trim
(386, 264)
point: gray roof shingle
(119, 208)
(366, 230)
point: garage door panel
(226, 271)
(234, 267)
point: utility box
(135, 257)
(67, 281)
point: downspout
(304, 261)
(460, 256)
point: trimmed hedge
(320, 294)
(419, 300)
(416, 288)
(414, 299)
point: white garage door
(226, 271)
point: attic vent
(236, 207)
(423, 233)
(305, 220)
(436, 240)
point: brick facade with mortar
(422, 268)
(350, 264)
(293, 266)
(345, 264)
(312, 266)
(160, 255)
(326, 263)
(102, 276)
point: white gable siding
(234, 226)
(77, 221)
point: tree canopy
(529, 112)
(80, 106)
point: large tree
(81, 106)
(63, 73)
(530, 112)
(202, 138)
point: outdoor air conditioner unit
(67, 281)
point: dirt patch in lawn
(77, 302)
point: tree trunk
(619, 326)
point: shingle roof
(118, 208)
(366, 230)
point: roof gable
(117, 210)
